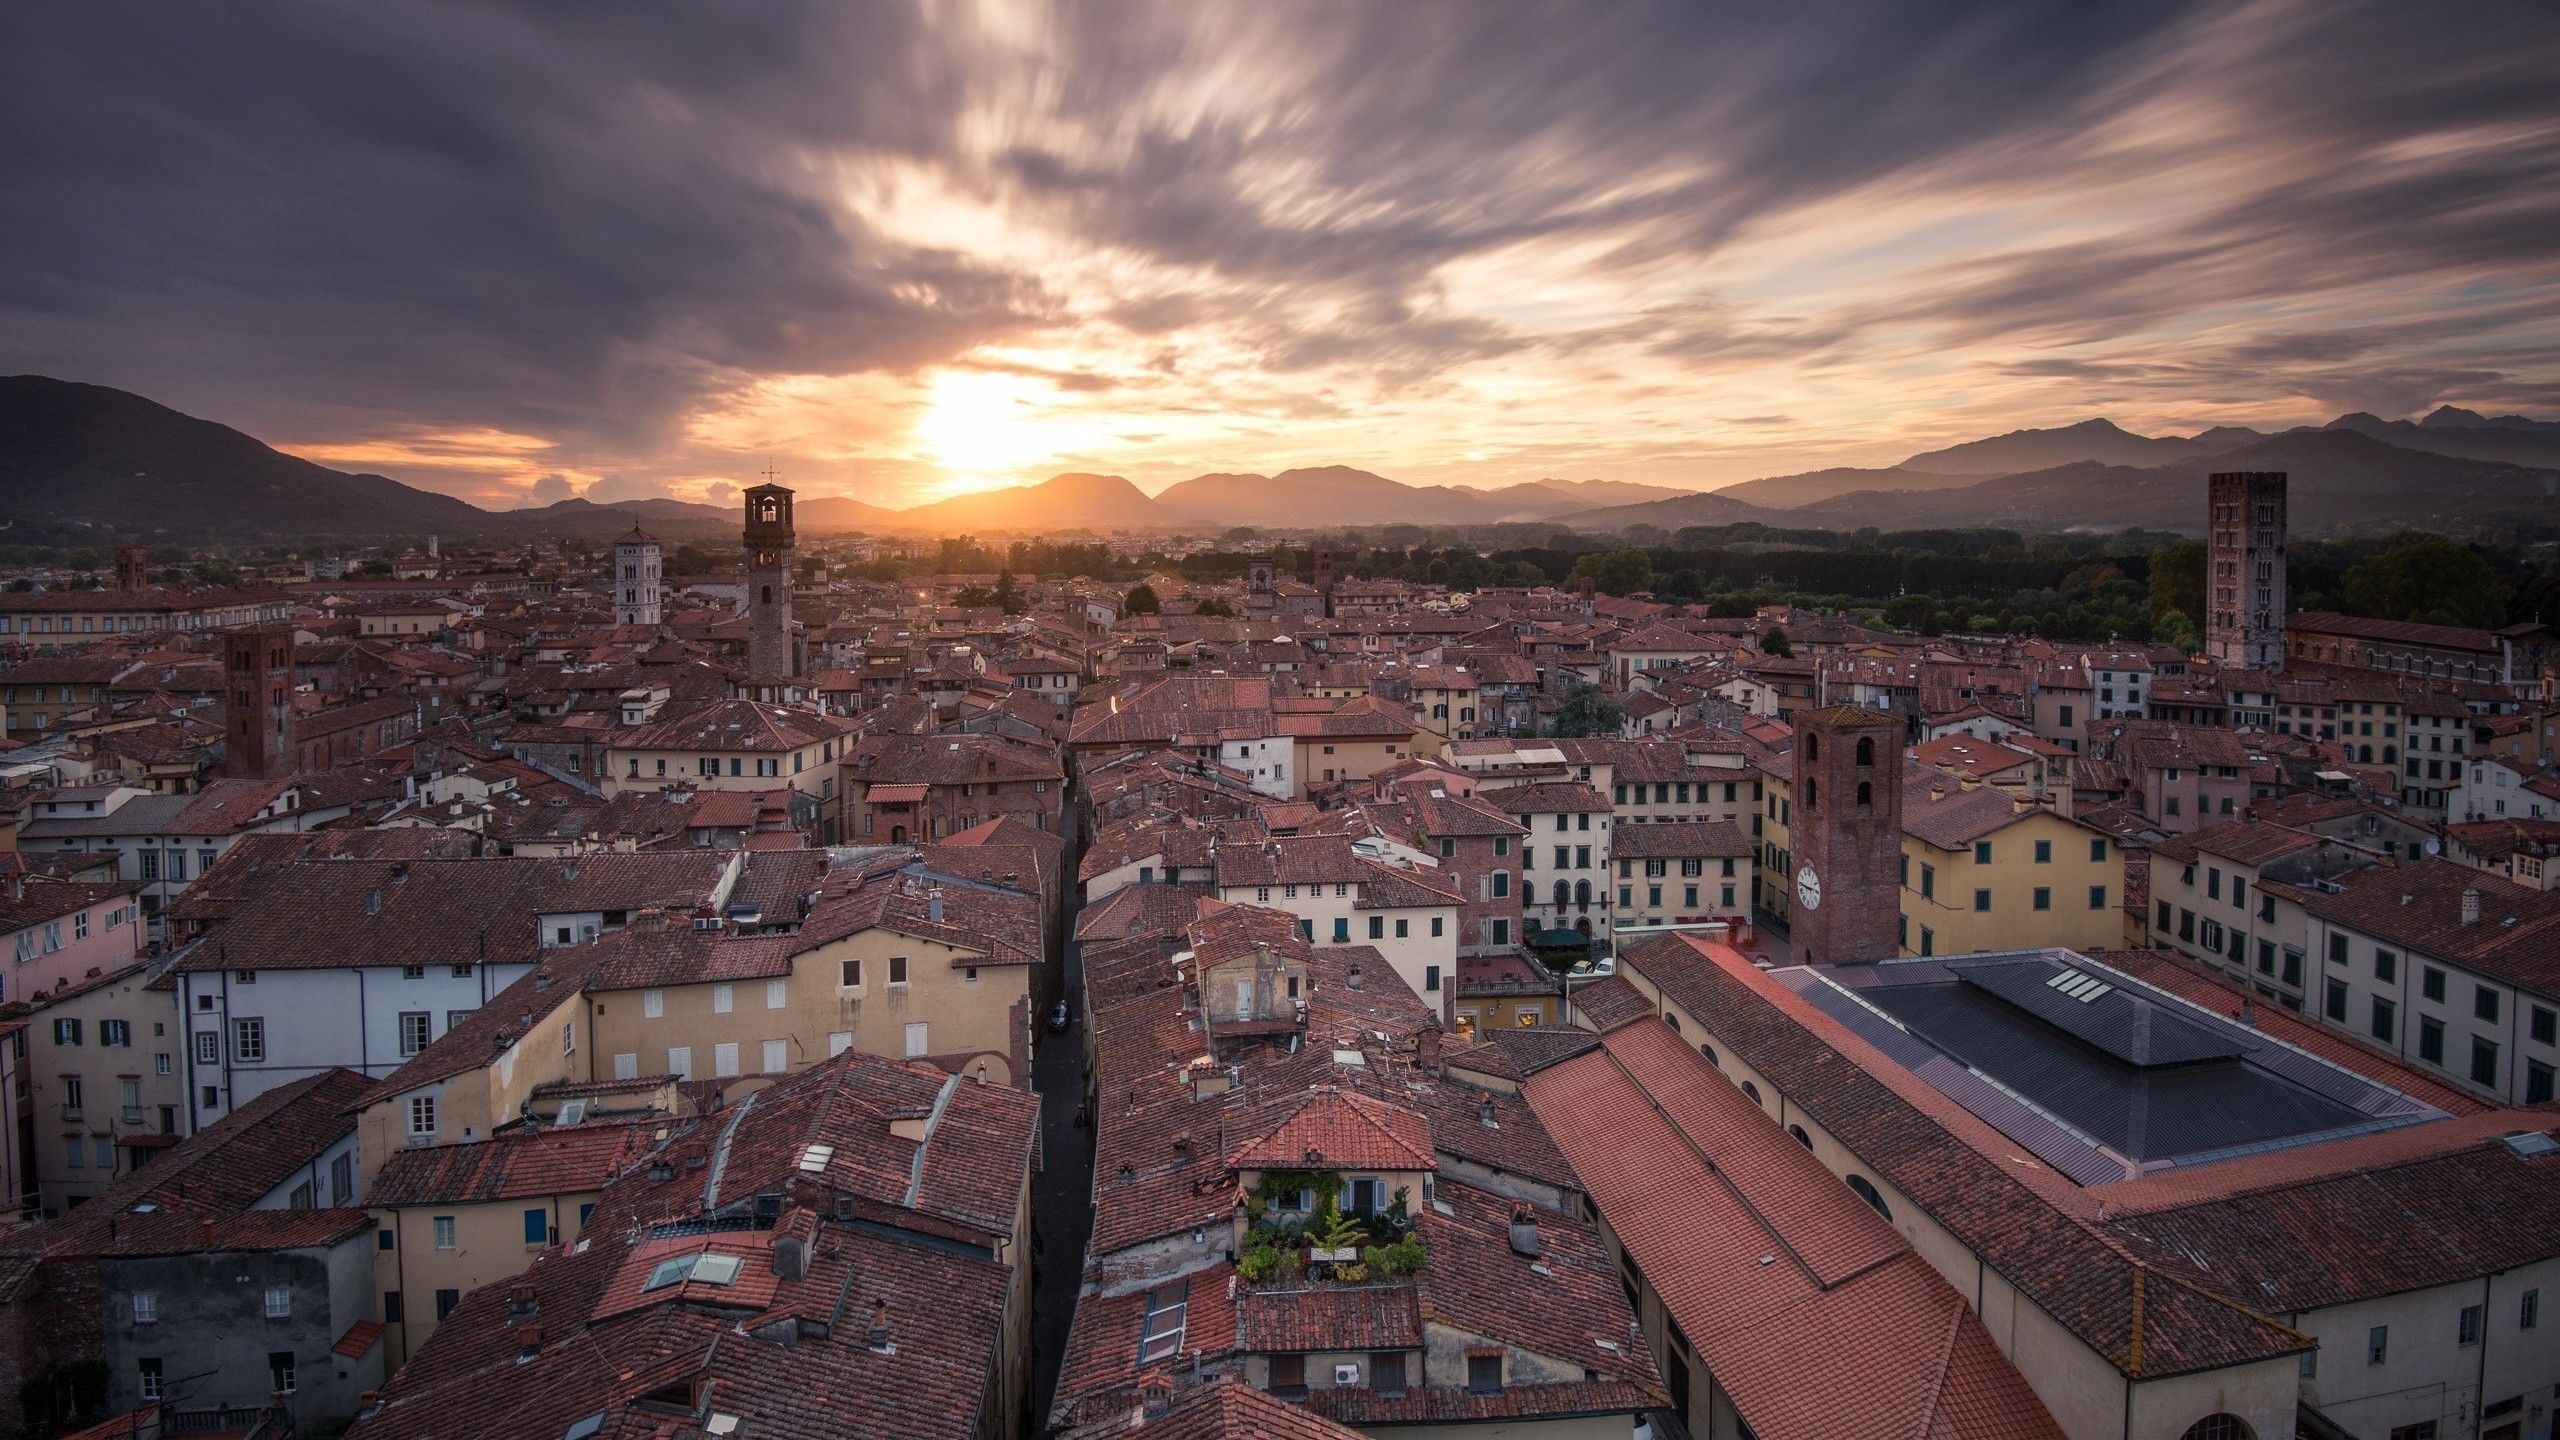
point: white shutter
(680, 1061)
(724, 1059)
(626, 1066)
(774, 1057)
(916, 1041)
(839, 1042)
(774, 995)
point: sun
(982, 425)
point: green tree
(2177, 580)
(1215, 609)
(1773, 641)
(1614, 572)
(2431, 580)
(1008, 596)
(1915, 613)
(1142, 601)
(2174, 628)
(1585, 711)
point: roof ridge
(1937, 1387)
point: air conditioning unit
(1346, 1374)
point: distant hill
(2103, 441)
(1713, 507)
(819, 514)
(2523, 442)
(1786, 491)
(1325, 495)
(139, 470)
(2341, 479)
(1062, 502)
(671, 519)
(1547, 499)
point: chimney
(790, 1257)
(1524, 1231)
(1155, 1395)
(878, 1338)
(529, 1342)
(519, 1302)
(1484, 1115)
(2471, 905)
(2249, 1011)
(1352, 979)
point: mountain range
(87, 456)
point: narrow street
(1062, 1195)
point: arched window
(767, 597)
(1581, 892)
(1707, 1050)
(2220, 1427)
(1866, 795)
(1812, 746)
(1864, 1189)
(1564, 893)
(1751, 1090)
(1866, 751)
(1812, 790)
(1671, 1020)
(1801, 1138)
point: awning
(1558, 940)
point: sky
(900, 251)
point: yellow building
(730, 745)
(1986, 870)
(463, 1216)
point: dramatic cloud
(520, 252)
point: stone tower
(257, 673)
(133, 568)
(2244, 570)
(637, 570)
(769, 544)
(1846, 833)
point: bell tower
(1846, 834)
(769, 542)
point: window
(2044, 897)
(417, 1028)
(2097, 897)
(1982, 900)
(537, 1226)
(722, 998)
(2484, 1006)
(2469, 1333)
(146, 1307)
(279, 1302)
(446, 1301)
(1386, 1372)
(2529, 1310)
(2537, 1082)
(66, 1031)
(115, 1032)
(1377, 927)
(724, 1059)
(2386, 965)
(422, 1114)
(151, 1378)
(776, 1057)
(280, 1370)
(2334, 1005)
(1289, 1375)
(1928, 881)
(1484, 1374)
(2422, 1430)
(2484, 1062)
(2098, 852)
(444, 1233)
(2377, 1344)
(2431, 1039)
(2431, 983)
(2385, 1023)
(919, 1042)
(1865, 1189)
(897, 969)
(249, 1041)
(653, 1004)
(849, 975)
(1981, 852)
(2219, 1427)
(776, 994)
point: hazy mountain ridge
(132, 468)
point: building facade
(2244, 569)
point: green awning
(1558, 940)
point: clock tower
(1846, 834)
(769, 544)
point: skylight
(2081, 987)
(704, 1268)
(1161, 1339)
(585, 1426)
(815, 1158)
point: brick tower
(769, 544)
(1846, 832)
(257, 716)
(2244, 569)
(133, 568)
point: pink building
(55, 931)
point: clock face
(1808, 888)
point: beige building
(108, 1083)
(1984, 869)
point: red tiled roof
(1336, 1129)
(1813, 1313)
